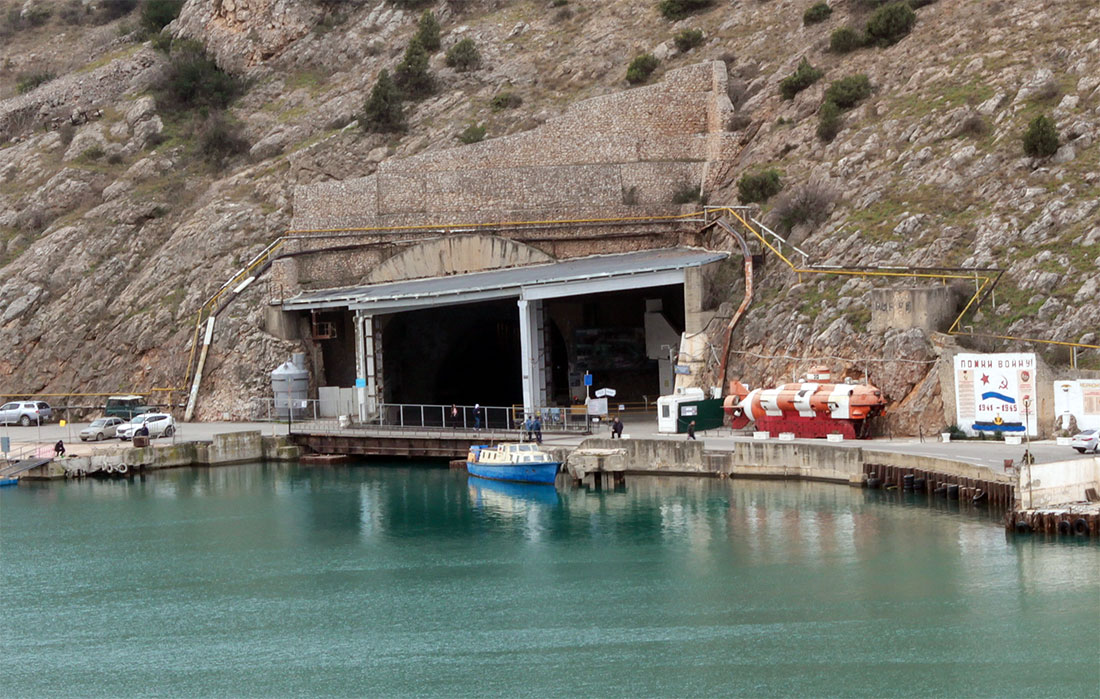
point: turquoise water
(267, 580)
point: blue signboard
(588, 379)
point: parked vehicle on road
(25, 413)
(103, 428)
(1089, 440)
(159, 424)
(126, 407)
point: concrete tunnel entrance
(517, 336)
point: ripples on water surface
(272, 580)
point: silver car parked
(103, 428)
(25, 413)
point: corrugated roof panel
(510, 281)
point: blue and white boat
(511, 461)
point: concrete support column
(532, 354)
(366, 388)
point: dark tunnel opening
(454, 354)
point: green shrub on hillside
(808, 203)
(829, 121)
(890, 23)
(193, 80)
(505, 100)
(110, 11)
(162, 42)
(1041, 137)
(464, 56)
(678, 9)
(427, 31)
(845, 40)
(383, 112)
(641, 68)
(817, 13)
(28, 81)
(803, 76)
(847, 92)
(472, 134)
(759, 187)
(219, 140)
(688, 39)
(157, 14)
(411, 74)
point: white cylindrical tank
(290, 386)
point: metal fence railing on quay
(430, 418)
(484, 417)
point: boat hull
(535, 472)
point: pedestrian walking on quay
(691, 430)
(528, 426)
(477, 416)
(536, 426)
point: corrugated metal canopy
(584, 275)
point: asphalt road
(982, 453)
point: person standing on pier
(691, 430)
(477, 416)
(536, 425)
(454, 416)
(528, 427)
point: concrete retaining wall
(1047, 485)
(825, 462)
(232, 448)
(656, 455)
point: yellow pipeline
(985, 280)
(499, 224)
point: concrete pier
(223, 449)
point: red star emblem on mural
(985, 379)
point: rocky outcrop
(245, 33)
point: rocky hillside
(123, 205)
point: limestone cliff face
(113, 232)
(246, 33)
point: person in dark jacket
(691, 430)
(617, 428)
(536, 427)
(59, 449)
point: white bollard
(945, 436)
(761, 435)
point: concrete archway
(457, 254)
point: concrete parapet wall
(791, 460)
(772, 459)
(655, 455)
(1060, 483)
(233, 447)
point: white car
(1089, 440)
(159, 424)
(25, 413)
(100, 429)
